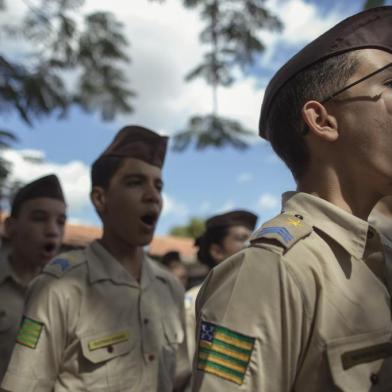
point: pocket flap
(174, 331)
(106, 345)
(362, 362)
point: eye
(159, 186)
(388, 84)
(133, 182)
(61, 221)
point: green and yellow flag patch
(29, 332)
(223, 352)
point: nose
(152, 194)
(53, 229)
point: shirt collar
(348, 230)
(7, 272)
(103, 266)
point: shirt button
(299, 216)
(374, 379)
(110, 349)
(151, 357)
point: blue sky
(164, 47)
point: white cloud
(74, 176)
(164, 47)
(268, 201)
(302, 23)
(171, 206)
(244, 177)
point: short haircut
(213, 235)
(103, 169)
(169, 257)
(285, 124)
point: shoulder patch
(223, 352)
(64, 262)
(285, 228)
(29, 332)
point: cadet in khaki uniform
(307, 307)
(107, 318)
(35, 228)
(224, 235)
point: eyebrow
(139, 176)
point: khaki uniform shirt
(89, 326)
(12, 293)
(190, 319)
(305, 308)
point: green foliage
(373, 3)
(231, 31)
(90, 51)
(212, 130)
(193, 229)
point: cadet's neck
(129, 256)
(344, 190)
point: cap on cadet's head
(138, 142)
(48, 186)
(369, 29)
(232, 218)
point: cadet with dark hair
(224, 235)
(307, 307)
(35, 229)
(107, 318)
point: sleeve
(251, 325)
(40, 342)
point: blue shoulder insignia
(286, 229)
(63, 263)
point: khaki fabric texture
(12, 293)
(317, 305)
(102, 330)
(190, 319)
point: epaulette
(286, 229)
(64, 263)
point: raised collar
(103, 266)
(348, 230)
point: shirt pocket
(173, 336)
(108, 360)
(362, 362)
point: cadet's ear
(98, 198)
(320, 122)
(217, 253)
(10, 227)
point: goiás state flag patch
(223, 352)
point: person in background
(35, 229)
(224, 235)
(172, 261)
(106, 318)
(307, 306)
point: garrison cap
(48, 186)
(140, 143)
(215, 224)
(368, 29)
(232, 218)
